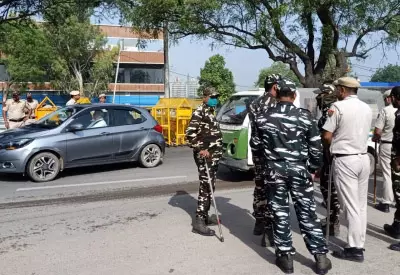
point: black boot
(384, 207)
(212, 220)
(259, 227)
(351, 254)
(285, 261)
(322, 263)
(393, 230)
(200, 227)
(395, 247)
(268, 238)
(334, 228)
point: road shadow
(225, 174)
(239, 222)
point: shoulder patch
(331, 112)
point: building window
(141, 74)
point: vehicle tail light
(158, 128)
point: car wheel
(150, 156)
(371, 163)
(43, 167)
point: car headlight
(15, 144)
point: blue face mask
(212, 102)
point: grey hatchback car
(82, 135)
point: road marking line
(96, 183)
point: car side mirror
(75, 127)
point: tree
(76, 42)
(390, 73)
(276, 68)
(28, 55)
(300, 33)
(214, 74)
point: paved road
(178, 167)
(153, 236)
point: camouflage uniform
(292, 149)
(325, 99)
(394, 229)
(203, 133)
(260, 105)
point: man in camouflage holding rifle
(325, 98)
(261, 213)
(205, 137)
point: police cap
(348, 82)
(74, 93)
(273, 78)
(286, 83)
(210, 91)
(102, 95)
(386, 94)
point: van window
(234, 110)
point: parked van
(235, 126)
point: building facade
(141, 69)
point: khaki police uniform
(16, 113)
(33, 105)
(385, 122)
(350, 122)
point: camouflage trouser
(324, 183)
(204, 199)
(281, 180)
(260, 207)
(396, 193)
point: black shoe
(322, 263)
(350, 254)
(285, 263)
(259, 227)
(393, 230)
(212, 220)
(395, 247)
(384, 207)
(268, 238)
(200, 227)
(334, 228)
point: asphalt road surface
(117, 180)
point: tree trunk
(79, 78)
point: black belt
(386, 142)
(16, 120)
(346, 155)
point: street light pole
(166, 60)
(116, 73)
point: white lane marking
(96, 183)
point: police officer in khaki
(75, 96)
(33, 103)
(346, 130)
(14, 112)
(102, 98)
(384, 134)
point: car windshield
(234, 110)
(57, 118)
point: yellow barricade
(174, 114)
(43, 110)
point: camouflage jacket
(326, 103)
(261, 104)
(288, 134)
(396, 136)
(203, 130)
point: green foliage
(390, 73)
(301, 33)
(214, 74)
(276, 68)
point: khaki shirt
(385, 122)
(33, 104)
(70, 102)
(15, 110)
(350, 124)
